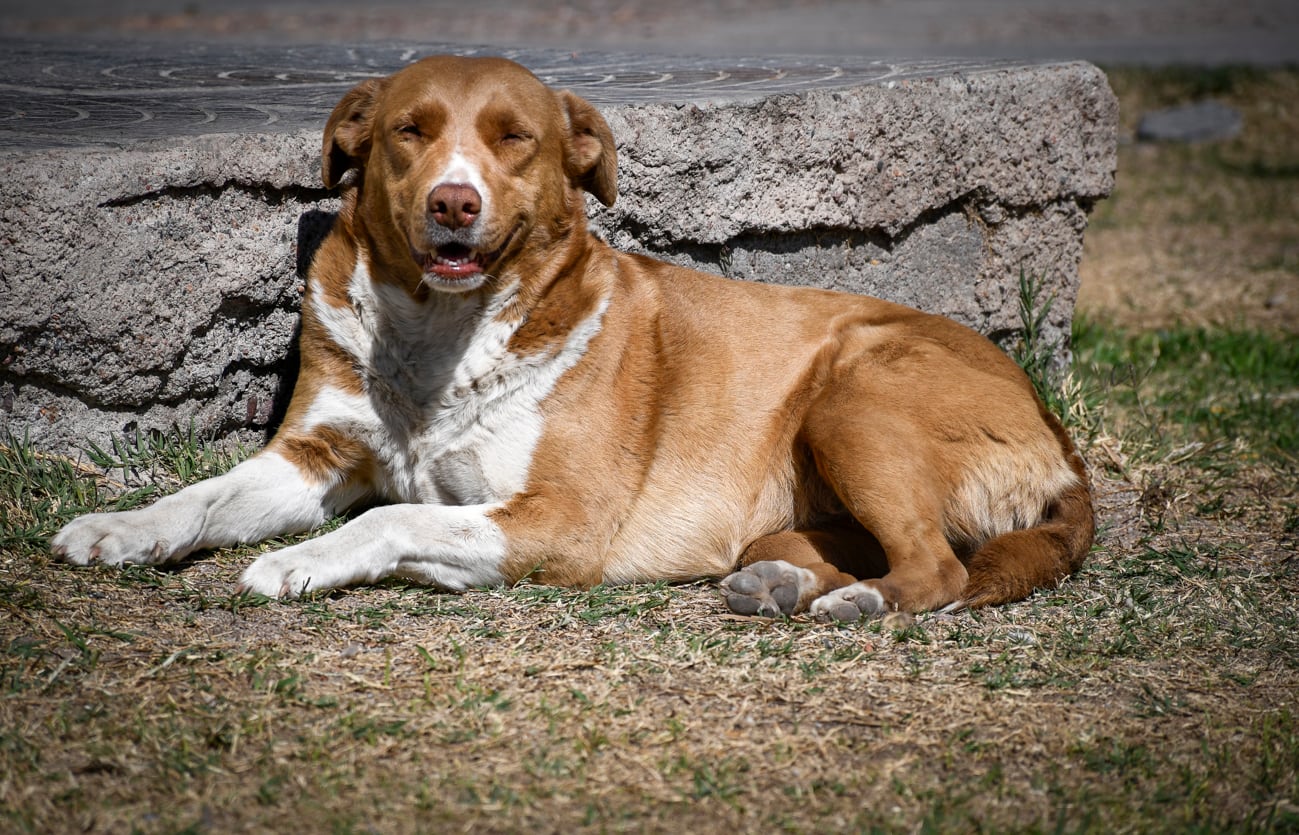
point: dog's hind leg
(1010, 566)
(781, 574)
(882, 465)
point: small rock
(898, 620)
(1021, 636)
(1201, 121)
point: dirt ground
(1154, 691)
(1202, 233)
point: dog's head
(464, 163)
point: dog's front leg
(262, 497)
(451, 547)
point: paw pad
(850, 604)
(767, 589)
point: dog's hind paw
(769, 589)
(850, 603)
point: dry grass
(1201, 234)
(1154, 691)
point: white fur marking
(453, 548)
(461, 170)
(1007, 494)
(452, 415)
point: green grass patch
(176, 455)
(39, 493)
(1187, 389)
(1168, 86)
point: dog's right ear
(348, 131)
(591, 159)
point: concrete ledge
(151, 276)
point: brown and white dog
(533, 404)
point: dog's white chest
(451, 415)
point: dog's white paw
(768, 589)
(850, 603)
(128, 538)
(285, 575)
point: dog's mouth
(454, 265)
(454, 261)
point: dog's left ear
(348, 131)
(590, 158)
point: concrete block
(150, 282)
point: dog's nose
(454, 205)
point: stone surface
(1201, 121)
(156, 208)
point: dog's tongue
(453, 261)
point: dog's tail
(1009, 567)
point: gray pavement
(1104, 31)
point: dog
(524, 402)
